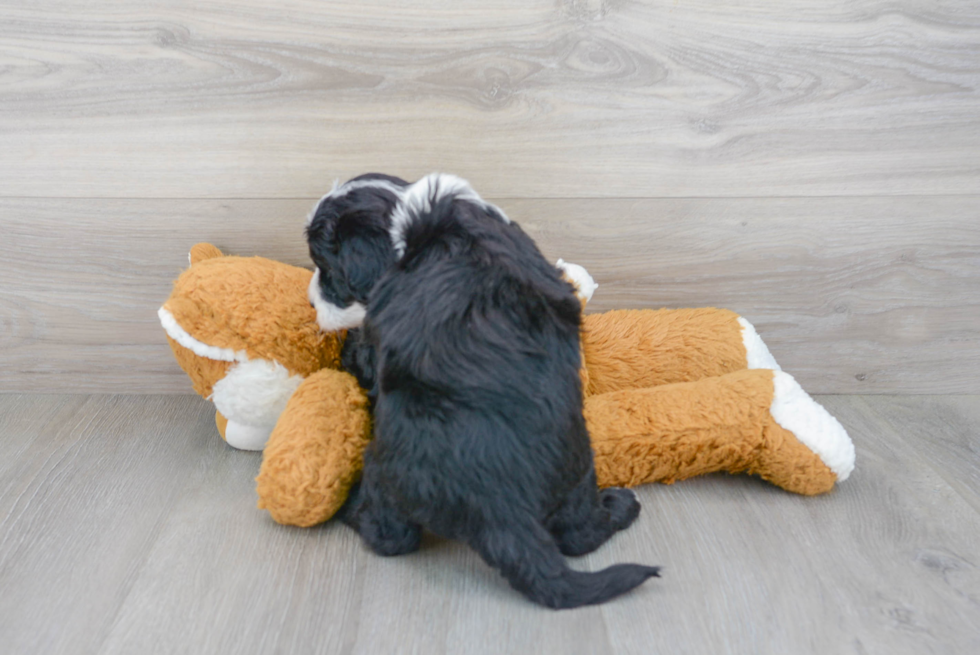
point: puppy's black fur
(473, 339)
(358, 219)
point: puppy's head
(348, 233)
(361, 228)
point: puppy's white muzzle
(330, 317)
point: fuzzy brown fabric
(640, 348)
(201, 251)
(203, 372)
(676, 431)
(255, 305)
(315, 452)
(667, 393)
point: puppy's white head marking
(330, 317)
(417, 199)
(340, 190)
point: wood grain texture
(858, 571)
(87, 485)
(865, 295)
(127, 526)
(951, 445)
(526, 98)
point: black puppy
(472, 341)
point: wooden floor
(811, 164)
(127, 526)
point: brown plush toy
(669, 394)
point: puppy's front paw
(622, 505)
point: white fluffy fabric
(579, 277)
(178, 334)
(330, 317)
(757, 355)
(254, 393)
(246, 437)
(417, 198)
(813, 425)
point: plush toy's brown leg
(315, 453)
(676, 431)
(636, 349)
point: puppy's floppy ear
(350, 240)
(320, 237)
(365, 253)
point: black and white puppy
(479, 433)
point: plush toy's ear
(201, 251)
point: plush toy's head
(243, 330)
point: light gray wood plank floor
(127, 526)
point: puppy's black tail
(532, 563)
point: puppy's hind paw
(622, 505)
(389, 538)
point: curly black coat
(470, 347)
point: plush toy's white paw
(579, 277)
(246, 437)
(813, 425)
(757, 354)
(254, 393)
